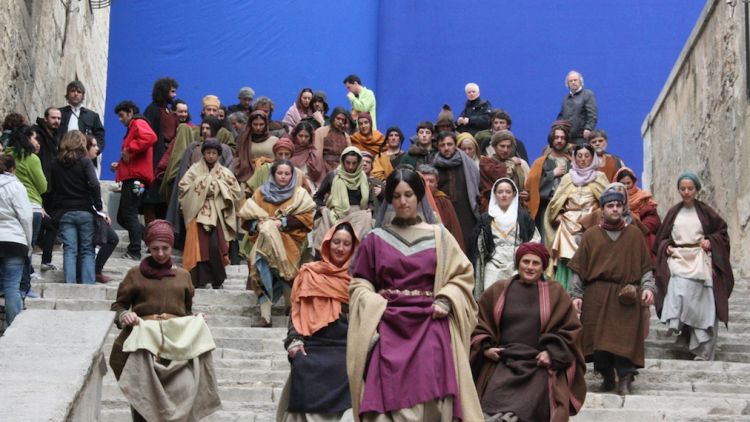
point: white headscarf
(505, 220)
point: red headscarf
(535, 249)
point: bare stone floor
(252, 366)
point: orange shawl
(319, 290)
(370, 143)
(533, 182)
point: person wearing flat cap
(612, 281)
(209, 199)
(525, 352)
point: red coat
(138, 144)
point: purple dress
(412, 363)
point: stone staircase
(252, 366)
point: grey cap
(246, 92)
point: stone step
(737, 405)
(106, 292)
(112, 394)
(261, 414)
(640, 415)
(252, 311)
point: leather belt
(159, 317)
(407, 292)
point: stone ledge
(50, 371)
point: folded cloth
(180, 339)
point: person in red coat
(135, 170)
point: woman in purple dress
(411, 315)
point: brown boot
(608, 382)
(624, 386)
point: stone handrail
(51, 365)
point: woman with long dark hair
(411, 312)
(24, 146)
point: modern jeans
(77, 232)
(11, 269)
(127, 217)
(28, 270)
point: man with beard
(47, 128)
(164, 124)
(421, 151)
(191, 155)
(546, 172)
(502, 163)
(75, 117)
(459, 179)
(609, 164)
(445, 209)
(185, 135)
(476, 113)
(612, 280)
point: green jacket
(365, 101)
(29, 172)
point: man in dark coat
(579, 108)
(48, 130)
(164, 123)
(75, 117)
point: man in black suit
(75, 117)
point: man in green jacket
(362, 99)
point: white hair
(570, 73)
(470, 84)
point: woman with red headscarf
(317, 338)
(157, 291)
(525, 357)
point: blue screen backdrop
(417, 55)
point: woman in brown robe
(330, 141)
(525, 356)
(152, 290)
(694, 276)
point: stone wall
(701, 121)
(46, 44)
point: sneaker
(101, 278)
(36, 276)
(32, 295)
(128, 255)
(48, 267)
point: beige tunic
(689, 260)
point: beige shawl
(210, 197)
(269, 243)
(454, 281)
